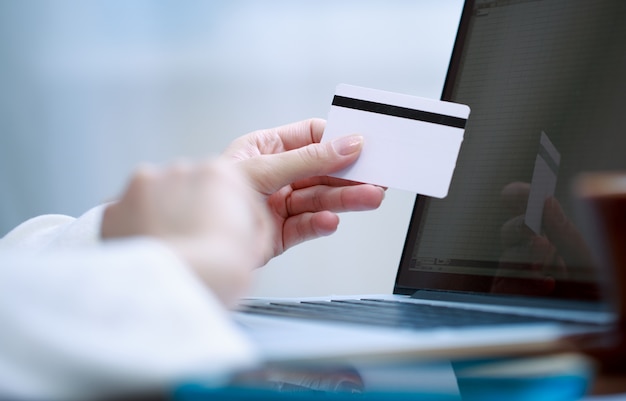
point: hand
(287, 166)
(206, 212)
(546, 263)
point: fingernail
(348, 144)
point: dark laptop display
(546, 83)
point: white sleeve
(55, 231)
(80, 323)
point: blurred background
(88, 89)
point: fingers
(562, 232)
(293, 155)
(302, 133)
(514, 231)
(307, 226)
(515, 197)
(335, 199)
(273, 171)
(310, 212)
(558, 228)
(276, 140)
(289, 168)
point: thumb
(273, 171)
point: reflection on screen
(546, 82)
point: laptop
(503, 264)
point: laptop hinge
(506, 300)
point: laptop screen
(546, 83)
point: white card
(543, 182)
(411, 143)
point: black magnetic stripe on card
(547, 157)
(398, 111)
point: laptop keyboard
(386, 313)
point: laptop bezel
(420, 201)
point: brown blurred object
(603, 205)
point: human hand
(206, 212)
(537, 264)
(288, 167)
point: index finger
(299, 134)
(288, 137)
(276, 140)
